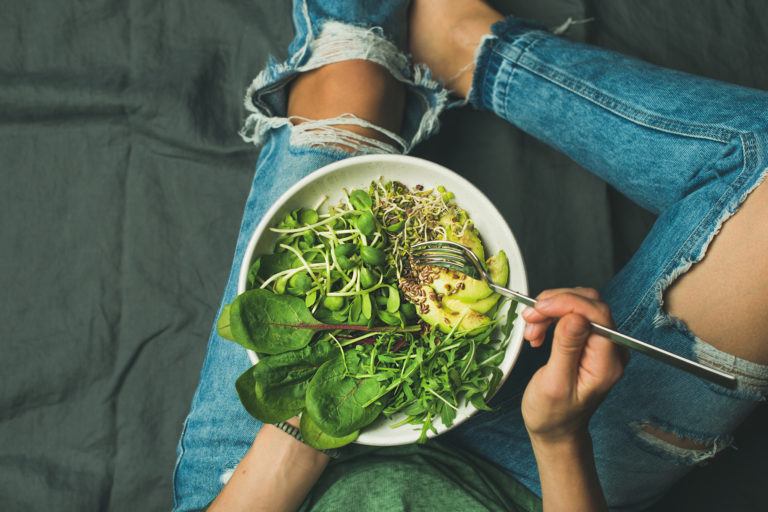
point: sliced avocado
(498, 267)
(460, 286)
(445, 319)
(480, 306)
(469, 238)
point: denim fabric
(336, 30)
(218, 431)
(687, 148)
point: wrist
(285, 446)
(569, 444)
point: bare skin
(722, 298)
(356, 87)
(563, 394)
(445, 34)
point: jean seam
(748, 151)
(632, 113)
(524, 44)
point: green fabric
(417, 477)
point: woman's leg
(692, 150)
(345, 90)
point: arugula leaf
(273, 390)
(335, 400)
(318, 439)
(262, 321)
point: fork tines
(442, 253)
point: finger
(535, 333)
(531, 315)
(568, 344)
(589, 293)
(566, 303)
(602, 360)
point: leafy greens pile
(339, 341)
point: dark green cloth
(122, 182)
(418, 477)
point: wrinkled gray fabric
(122, 180)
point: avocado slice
(434, 313)
(469, 238)
(481, 306)
(498, 267)
(460, 286)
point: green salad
(347, 328)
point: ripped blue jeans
(686, 148)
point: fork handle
(692, 367)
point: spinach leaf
(265, 322)
(274, 389)
(335, 400)
(253, 272)
(272, 324)
(318, 439)
(222, 324)
(272, 264)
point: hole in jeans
(669, 437)
(679, 445)
(226, 475)
(721, 297)
(346, 132)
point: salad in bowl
(347, 331)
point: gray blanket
(122, 181)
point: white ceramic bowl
(359, 172)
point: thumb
(568, 344)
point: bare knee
(722, 298)
(362, 99)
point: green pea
(346, 250)
(308, 216)
(360, 200)
(366, 223)
(333, 303)
(372, 255)
(299, 284)
(368, 277)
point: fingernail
(528, 331)
(527, 312)
(543, 303)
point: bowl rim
(333, 167)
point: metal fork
(454, 256)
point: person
(693, 151)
